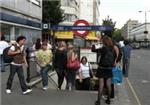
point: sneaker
(104, 97)
(107, 101)
(45, 87)
(8, 91)
(97, 102)
(118, 84)
(27, 91)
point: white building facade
(81, 9)
(138, 32)
(96, 16)
(89, 11)
(126, 29)
(71, 11)
(21, 17)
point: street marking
(133, 91)
(144, 81)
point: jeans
(19, 70)
(126, 63)
(71, 76)
(44, 74)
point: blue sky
(123, 10)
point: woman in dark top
(104, 71)
(60, 62)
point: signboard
(82, 28)
(91, 56)
(46, 25)
(82, 33)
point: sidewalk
(57, 97)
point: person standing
(104, 71)
(44, 59)
(3, 45)
(17, 65)
(35, 48)
(126, 58)
(60, 62)
(71, 72)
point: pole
(146, 24)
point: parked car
(135, 45)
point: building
(21, 17)
(96, 11)
(77, 9)
(92, 14)
(126, 29)
(71, 11)
(138, 34)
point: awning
(64, 35)
(91, 36)
(69, 35)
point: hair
(45, 40)
(107, 41)
(70, 46)
(63, 44)
(20, 38)
(38, 44)
(44, 44)
(84, 57)
(2, 37)
(126, 42)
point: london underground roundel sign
(81, 23)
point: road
(139, 75)
(139, 78)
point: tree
(117, 35)
(52, 13)
(108, 22)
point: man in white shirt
(3, 45)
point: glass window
(70, 17)
(5, 30)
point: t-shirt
(3, 45)
(85, 70)
(126, 51)
(12, 48)
(44, 57)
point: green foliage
(117, 35)
(52, 13)
(108, 22)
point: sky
(123, 10)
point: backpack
(7, 58)
(107, 57)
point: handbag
(117, 75)
(90, 71)
(73, 65)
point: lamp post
(145, 32)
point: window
(70, 17)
